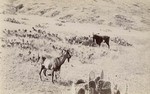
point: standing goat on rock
(54, 64)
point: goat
(104, 87)
(81, 91)
(54, 64)
(100, 39)
(92, 87)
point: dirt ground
(126, 63)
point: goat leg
(53, 76)
(59, 75)
(99, 44)
(42, 67)
(56, 75)
(44, 71)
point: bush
(86, 41)
(120, 41)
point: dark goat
(92, 87)
(104, 87)
(54, 64)
(81, 91)
(100, 39)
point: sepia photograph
(74, 47)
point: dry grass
(126, 63)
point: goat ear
(63, 51)
(68, 50)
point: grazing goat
(100, 39)
(92, 87)
(81, 91)
(54, 64)
(104, 87)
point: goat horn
(68, 49)
(65, 50)
(62, 51)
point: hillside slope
(46, 27)
(130, 15)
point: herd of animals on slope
(54, 64)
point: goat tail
(40, 59)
